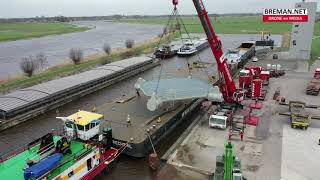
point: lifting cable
(175, 14)
(204, 70)
(163, 33)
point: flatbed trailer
(313, 88)
(299, 117)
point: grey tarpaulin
(176, 89)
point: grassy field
(315, 51)
(16, 31)
(224, 24)
(90, 62)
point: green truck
(228, 166)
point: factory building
(302, 33)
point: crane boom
(228, 88)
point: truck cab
(220, 118)
(83, 125)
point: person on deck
(241, 135)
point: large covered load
(37, 170)
(175, 89)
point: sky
(32, 8)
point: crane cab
(83, 125)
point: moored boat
(192, 47)
(81, 152)
(166, 51)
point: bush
(107, 48)
(41, 60)
(28, 65)
(129, 43)
(165, 31)
(105, 61)
(76, 55)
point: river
(57, 47)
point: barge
(138, 128)
(21, 105)
(166, 51)
(241, 54)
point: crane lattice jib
(228, 158)
(229, 88)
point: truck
(313, 87)
(228, 166)
(299, 117)
(220, 118)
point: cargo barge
(241, 54)
(21, 105)
(134, 124)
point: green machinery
(228, 166)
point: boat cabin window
(94, 123)
(88, 127)
(80, 127)
(69, 125)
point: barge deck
(142, 122)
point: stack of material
(175, 89)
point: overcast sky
(32, 8)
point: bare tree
(42, 62)
(107, 48)
(28, 65)
(129, 43)
(76, 55)
(165, 31)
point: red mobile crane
(228, 88)
(231, 169)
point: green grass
(69, 69)
(315, 48)
(16, 31)
(223, 24)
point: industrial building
(302, 33)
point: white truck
(219, 120)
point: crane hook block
(175, 2)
